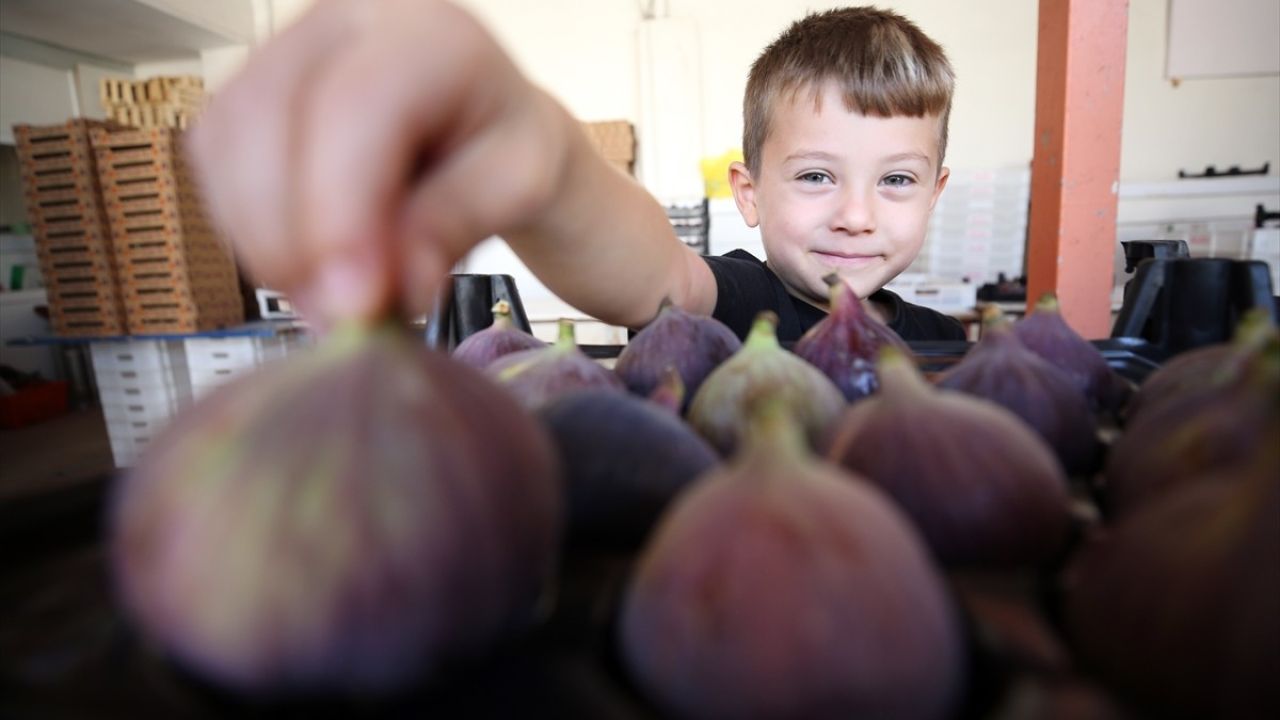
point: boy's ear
(744, 192)
(943, 175)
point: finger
(371, 125)
(242, 147)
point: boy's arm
(364, 151)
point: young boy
(363, 152)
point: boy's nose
(855, 213)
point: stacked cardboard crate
(73, 240)
(156, 102)
(616, 140)
(175, 275)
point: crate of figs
(711, 528)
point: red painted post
(1075, 168)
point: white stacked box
(215, 361)
(979, 226)
(945, 296)
(141, 384)
(1265, 246)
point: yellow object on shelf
(715, 173)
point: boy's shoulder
(745, 286)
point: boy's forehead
(792, 112)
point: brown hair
(885, 65)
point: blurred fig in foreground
(846, 343)
(536, 377)
(351, 520)
(763, 367)
(782, 587)
(983, 488)
(500, 338)
(693, 344)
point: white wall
(33, 94)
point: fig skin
(350, 521)
(1210, 431)
(624, 460)
(845, 344)
(536, 377)
(1176, 607)
(763, 367)
(1001, 369)
(501, 338)
(1046, 334)
(780, 586)
(1203, 369)
(694, 344)
(982, 487)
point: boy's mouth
(844, 260)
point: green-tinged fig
(693, 344)
(1204, 369)
(762, 366)
(1177, 607)
(1001, 369)
(625, 459)
(500, 338)
(846, 343)
(779, 586)
(1202, 432)
(352, 520)
(538, 376)
(982, 487)
(1049, 336)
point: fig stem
(764, 332)
(501, 315)
(992, 316)
(565, 339)
(898, 374)
(1048, 302)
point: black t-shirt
(745, 286)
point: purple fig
(846, 343)
(1049, 336)
(1001, 369)
(1177, 607)
(1203, 369)
(1199, 433)
(694, 344)
(982, 487)
(624, 460)
(669, 394)
(500, 338)
(352, 520)
(780, 586)
(763, 367)
(538, 376)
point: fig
(1202, 369)
(1001, 369)
(669, 393)
(352, 520)
(1176, 606)
(763, 367)
(500, 338)
(540, 375)
(693, 344)
(779, 586)
(1049, 336)
(624, 460)
(983, 488)
(845, 344)
(1209, 431)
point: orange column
(1075, 168)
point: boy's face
(840, 192)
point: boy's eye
(898, 180)
(815, 177)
